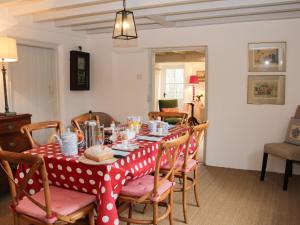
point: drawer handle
(12, 144)
(10, 126)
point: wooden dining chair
(153, 189)
(78, 121)
(29, 128)
(188, 164)
(177, 117)
(51, 205)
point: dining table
(104, 181)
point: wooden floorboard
(229, 197)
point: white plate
(130, 147)
(84, 160)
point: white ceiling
(97, 16)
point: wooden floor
(230, 197)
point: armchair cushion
(293, 133)
(283, 150)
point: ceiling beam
(240, 18)
(161, 20)
(205, 7)
(139, 27)
(28, 7)
(109, 24)
(107, 8)
(234, 12)
(211, 21)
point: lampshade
(8, 50)
(125, 28)
(194, 80)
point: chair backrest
(78, 121)
(170, 149)
(164, 115)
(35, 163)
(167, 103)
(198, 133)
(105, 118)
(297, 114)
(27, 129)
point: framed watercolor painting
(266, 89)
(267, 57)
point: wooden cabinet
(11, 139)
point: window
(174, 83)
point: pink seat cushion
(143, 185)
(179, 163)
(63, 201)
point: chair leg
(91, 217)
(291, 169)
(184, 198)
(196, 187)
(16, 219)
(155, 213)
(129, 213)
(264, 166)
(286, 174)
(171, 202)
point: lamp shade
(194, 80)
(8, 49)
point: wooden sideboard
(11, 139)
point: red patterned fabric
(104, 181)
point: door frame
(151, 106)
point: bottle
(112, 126)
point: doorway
(181, 74)
(34, 86)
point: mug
(153, 126)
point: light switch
(139, 76)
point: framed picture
(79, 70)
(267, 57)
(201, 75)
(266, 89)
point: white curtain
(33, 84)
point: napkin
(98, 153)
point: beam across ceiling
(108, 24)
(203, 7)
(108, 8)
(26, 7)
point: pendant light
(125, 28)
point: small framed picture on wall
(79, 70)
(266, 89)
(267, 57)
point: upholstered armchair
(289, 150)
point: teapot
(68, 143)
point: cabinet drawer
(10, 127)
(14, 142)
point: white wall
(237, 131)
(71, 103)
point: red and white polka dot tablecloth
(104, 181)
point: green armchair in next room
(169, 105)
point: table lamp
(8, 53)
(194, 80)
